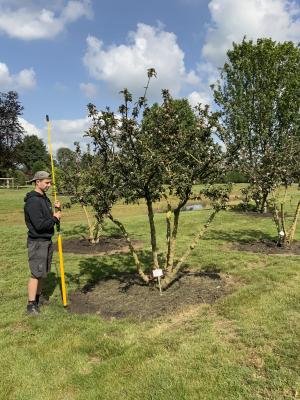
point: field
(246, 345)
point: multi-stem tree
(259, 99)
(148, 154)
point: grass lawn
(244, 346)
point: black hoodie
(39, 216)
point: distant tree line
(21, 155)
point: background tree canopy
(11, 132)
(32, 153)
(259, 99)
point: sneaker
(33, 309)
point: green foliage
(149, 153)
(235, 176)
(39, 165)
(11, 132)
(251, 198)
(72, 172)
(162, 154)
(259, 100)
(20, 177)
(33, 154)
(64, 156)
(179, 143)
(218, 195)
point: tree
(259, 99)
(149, 154)
(64, 156)
(285, 231)
(71, 167)
(39, 166)
(32, 150)
(11, 132)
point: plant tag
(157, 273)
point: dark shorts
(39, 257)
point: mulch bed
(267, 247)
(129, 297)
(105, 246)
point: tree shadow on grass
(77, 230)
(49, 285)
(82, 231)
(241, 236)
(119, 266)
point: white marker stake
(159, 285)
(157, 273)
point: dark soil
(128, 297)
(106, 245)
(267, 247)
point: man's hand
(57, 204)
(57, 215)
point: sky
(60, 55)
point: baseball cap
(39, 175)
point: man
(40, 221)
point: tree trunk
(172, 241)
(171, 248)
(91, 233)
(263, 205)
(276, 219)
(171, 275)
(285, 237)
(282, 216)
(290, 237)
(168, 222)
(152, 233)
(143, 276)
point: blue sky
(62, 54)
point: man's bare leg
(33, 285)
(39, 287)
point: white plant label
(157, 273)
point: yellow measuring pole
(59, 240)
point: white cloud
(63, 132)
(33, 21)
(29, 128)
(23, 80)
(89, 90)
(126, 65)
(195, 98)
(232, 19)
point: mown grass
(245, 346)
